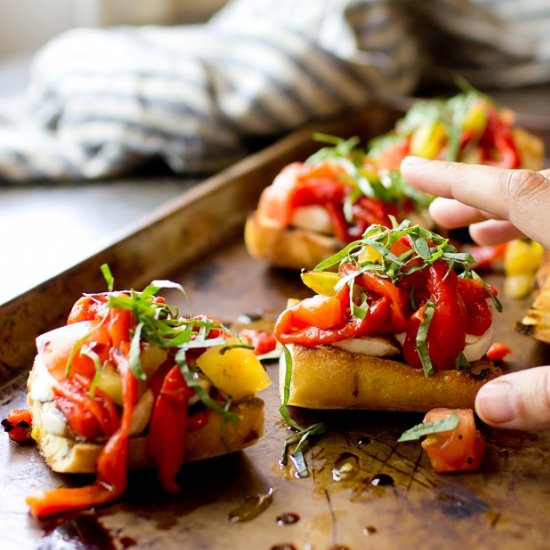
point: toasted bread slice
(67, 455)
(287, 247)
(536, 322)
(325, 377)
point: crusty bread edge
(325, 377)
(66, 455)
(292, 248)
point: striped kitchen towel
(101, 102)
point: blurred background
(45, 229)
(26, 25)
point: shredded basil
(108, 276)
(393, 267)
(196, 386)
(294, 444)
(462, 363)
(422, 336)
(134, 357)
(444, 425)
(89, 352)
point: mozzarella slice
(477, 346)
(41, 388)
(313, 218)
(376, 346)
(53, 420)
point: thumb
(520, 400)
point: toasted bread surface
(287, 247)
(67, 455)
(325, 377)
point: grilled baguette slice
(325, 377)
(66, 455)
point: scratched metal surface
(504, 505)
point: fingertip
(494, 403)
(518, 400)
(412, 161)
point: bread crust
(292, 248)
(325, 377)
(65, 455)
(536, 322)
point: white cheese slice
(53, 420)
(477, 346)
(375, 346)
(42, 384)
(313, 218)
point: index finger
(521, 196)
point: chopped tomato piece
(18, 425)
(457, 450)
(498, 351)
(263, 341)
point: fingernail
(414, 161)
(494, 402)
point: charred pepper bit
(18, 425)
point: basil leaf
(422, 336)
(443, 425)
(462, 363)
(193, 383)
(89, 352)
(423, 248)
(286, 391)
(108, 276)
(134, 355)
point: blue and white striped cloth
(103, 101)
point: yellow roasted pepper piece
(110, 382)
(521, 261)
(476, 118)
(236, 371)
(428, 140)
(369, 254)
(321, 282)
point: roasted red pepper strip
(382, 287)
(478, 312)
(498, 137)
(86, 409)
(314, 336)
(168, 428)
(18, 425)
(447, 334)
(111, 464)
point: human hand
(498, 204)
(501, 205)
(519, 400)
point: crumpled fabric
(102, 102)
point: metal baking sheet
(391, 499)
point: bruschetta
(128, 382)
(313, 208)
(403, 324)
